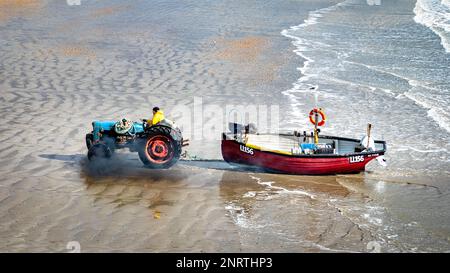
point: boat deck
(286, 144)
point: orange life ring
(322, 115)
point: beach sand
(64, 66)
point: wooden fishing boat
(295, 153)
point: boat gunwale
(377, 153)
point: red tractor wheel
(162, 147)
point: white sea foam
(249, 194)
(437, 112)
(440, 116)
(405, 148)
(301, 46)
(270, 185)
(240, 217)
(435, 15)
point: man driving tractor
(158, 116)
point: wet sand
(121, 206)
(58, 73)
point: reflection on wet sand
(204, 206)
(126, 181)
(181, 202)
(295, 213)
(245, 210)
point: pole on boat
(369, 128)
(316, 135)
(316, 115)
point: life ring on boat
(322, 116)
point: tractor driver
(158, 116)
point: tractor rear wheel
(161, 148)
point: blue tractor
(159, 146)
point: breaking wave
(435, 14)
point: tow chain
(185, 156)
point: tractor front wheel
(89, 140)
(99, 150)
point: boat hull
(235, 152)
